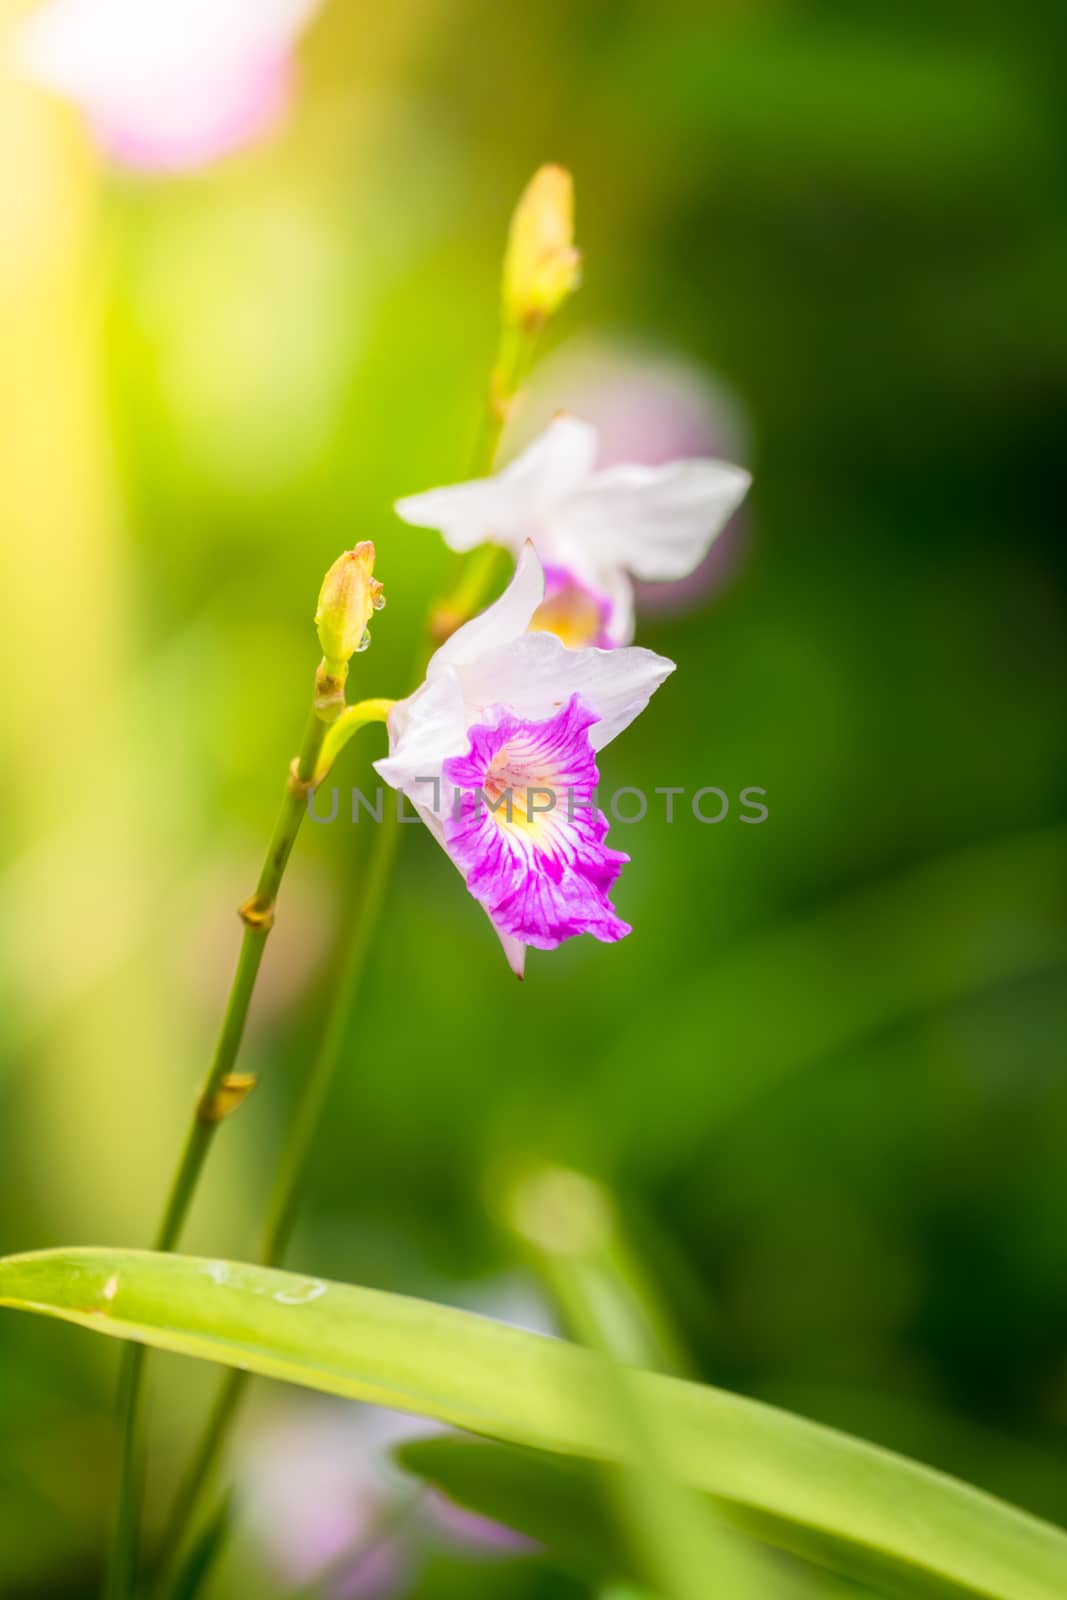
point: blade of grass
(569, 1222)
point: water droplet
(302, 1295)
(364, 643)
(378, 602)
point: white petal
(513, 950)
(431, 724)
(516, 505)
(536, 675)
(656, 522)
(506, 620)
(424, 730)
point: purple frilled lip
(525, 830)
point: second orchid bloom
(497, 752)
(593, 530)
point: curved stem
(350, 721)
(221, 1093)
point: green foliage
(825, 1071)
(808, 1489)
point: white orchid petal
(514, 950)
(517, 503)
(424, 730)
(559, 459)
(506, 620)
(656, 522)
(536, 675)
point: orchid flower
(168, 85)
(497, 752)
(593, 530)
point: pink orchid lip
(543, 875)
(574, 611)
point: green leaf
(561, 1503)
(806, 1488)
(553, 1499)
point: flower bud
(349, 594)
(541, 266)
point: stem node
(231, 1093)
(330, 690)
(257, 914)
(297, 784)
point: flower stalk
(474, 579)
(350, 721)
(222, 1092)
(349, 594)
(286, 1193)
(541, 268)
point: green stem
(350, 721)
(221, 1093)
(474, 574)
(287, 1190)
(514, 355)
(197, 1480)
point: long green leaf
(802, 1486)
(560, 1503)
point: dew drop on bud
(378, 602)
(364, 643)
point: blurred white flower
(595, 531)
(168, 85)
(649, 405)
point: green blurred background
(824, 1075)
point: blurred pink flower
(168, 85)
(650, 407)
(316, 1485)
(320, 1490)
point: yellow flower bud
(349, 594)
(541, 266)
